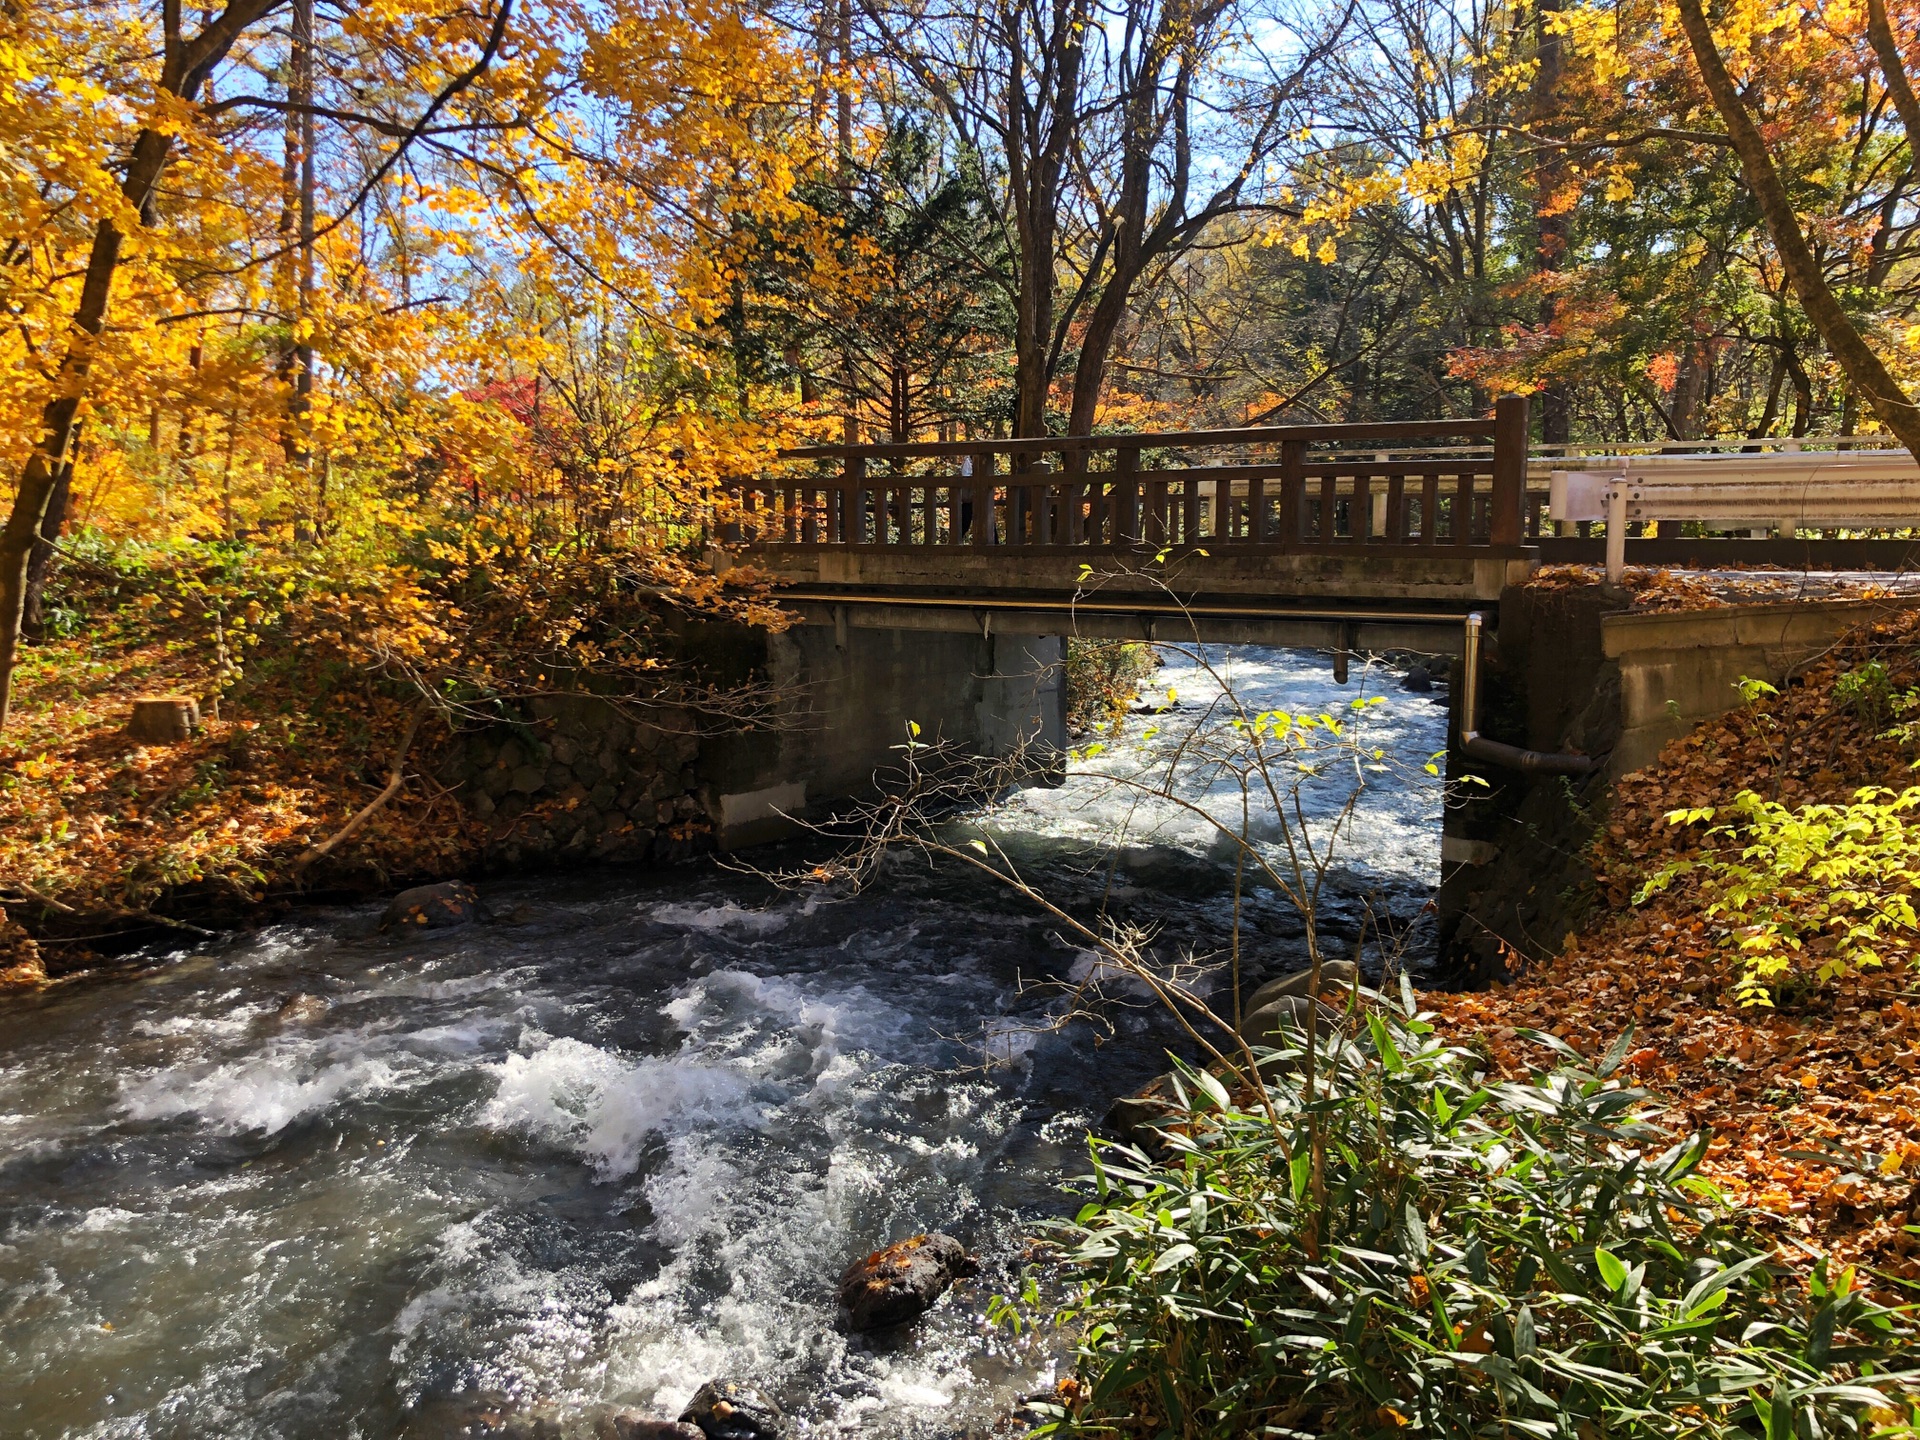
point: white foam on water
(575, 1095)
(725, 916)
(1104, 973)
(233, 1022)
(264, 1094)
(1389, 834)
(106, 1218)
(1006, 1041)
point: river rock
(302, 1009)
(1341, 973)
(435, 907)
(898, 1284)
(1284, 1022)
(1419, 680)
(1135, 1116)
(639, 1427)
(733, 1410)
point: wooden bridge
(1360, 536)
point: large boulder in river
(1334, 974)
(734, 1410)
(900, 1283)
(435, 907)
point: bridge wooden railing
(1250, 489)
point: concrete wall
(1679, 669)
(579, 777)
(1432, 632)
(853, 691)
(1408, 572)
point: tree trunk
(32, 621)
(1553, 228)
(1690, 390)
(1894, 70)
(1038, 136)
(1090, 373)
(1868, 376)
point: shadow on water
(317, 1182)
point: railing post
(1126, 495)
(978, 521)
(856, 485)
(1509, 470)
(1293, 488)
(1073, 496)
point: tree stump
(163, 719)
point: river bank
(1813, 1097)
(293, 789)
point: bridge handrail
(1285, 503)
(1154, 440)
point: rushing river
(319, 1182)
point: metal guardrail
(1783, 492)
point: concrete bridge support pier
(850, 692)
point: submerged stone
(1136, 1116)
(1286, 1020)
(640, 1427)
(435, 907)
(1340, 973)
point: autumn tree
(1116, 135)
(278, 255)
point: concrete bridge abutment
(1576, 670)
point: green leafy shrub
(1818, 891)
(1866, 691)
(1400, 1249)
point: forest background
(360, 357)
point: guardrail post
(1509, 471)
(1616, 530)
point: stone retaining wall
(579, 777)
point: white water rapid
(587, 1158)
